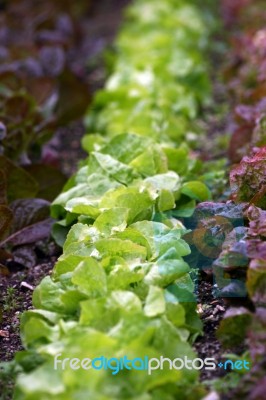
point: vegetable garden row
(137, 222)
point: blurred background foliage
(43, 87)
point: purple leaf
(27, 212)
(31, 234)
(25, 255)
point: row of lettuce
(240, 266)
(122, 287)
(228, 238)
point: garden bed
(173, 162)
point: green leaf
(144, 163)
(43, 380)
(155, 303)
(137, 201)
(59, 232)
(164, 272)
(172, 267)
(90, 278)
(177, 159)
(150, 162)
(35, 328)
(126, 147)
(175, 312)
(122, 248)
(166, 201)
(137, 237)
(161, 238)
(121, 276)
(112, 221)
(47, 296)
(80, 233)
(92, 142)
(71, 300)
(128, 302)
(111, 167)
(196, 190)
(84, 205)
(169, 181)
(184, 207)
(66, 263)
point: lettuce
(121, 287)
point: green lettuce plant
(122, 287)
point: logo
(146, 364)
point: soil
(16, 292)
(16, 298)
(211, 311)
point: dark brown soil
(211, 311)
(16, 292)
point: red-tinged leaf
(233, 328)
(248, 179)
(20, 184)
(259, 133)
(240, 142)
(257, 335)
(256, 281)
(18, 108)
(247, 113)
(257, 221)
(40, 88)
(258, 92)
(6, 216)
(3, 198)
(73, 98)
(256, 248)
(31, 234)
(5, 255)
(258, 391)
(10, 80)
(50, 180)
(4, 334)
(4, 272)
